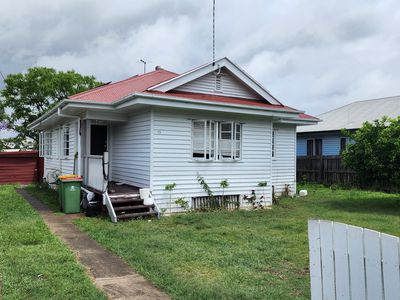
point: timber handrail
(110, 207)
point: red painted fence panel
(20, 167)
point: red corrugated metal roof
(308, 117)
(141, 83)
(118, 90)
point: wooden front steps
(130, 206)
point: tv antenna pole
(144, 65)
(213, 33)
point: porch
(122, 199)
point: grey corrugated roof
(353, 115)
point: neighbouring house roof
(353, 115)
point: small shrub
(182, 203)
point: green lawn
(241, 254)
(33, 263)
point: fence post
(321, 169)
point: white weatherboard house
(159, 128)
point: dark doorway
(98, 139)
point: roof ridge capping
(211, 67)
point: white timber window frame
(216, 140)
(66, 136)
(48, 144)
(41, 144)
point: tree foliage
(375, 153)
(27, 96)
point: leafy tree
(26, 96)
(375, 153)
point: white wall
(130, 150)
(284, 162)
(57, 161)
(172, 157)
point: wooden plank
(373, 270)
(390, 266)
(342, 277)
(315, 259)
(356, 262)
(328, 269)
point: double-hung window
(41, 144)
(65, 139)
(214, 140)
(48, 144)
(204, 139)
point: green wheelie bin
(70, 194)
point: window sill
(215, 161)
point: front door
(98, 139)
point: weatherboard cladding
(228, 85)
(330, 142)
(284, 162)
(130, 150)
(172, 157)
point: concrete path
(110, 273)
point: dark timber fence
(324, 169)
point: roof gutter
(45, 116)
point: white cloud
(313, 55)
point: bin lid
(70, 177)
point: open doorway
(98, 139)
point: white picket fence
(349, 262)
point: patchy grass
(33, 263)
(240, 254)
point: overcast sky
(312, 55)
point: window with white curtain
(214, 140)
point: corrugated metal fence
(349, 262)
(20, 167)
(324, 169)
